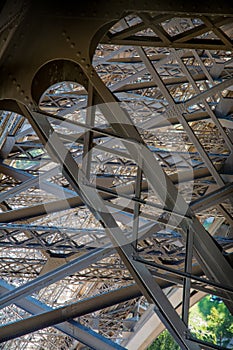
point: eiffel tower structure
(116, 153)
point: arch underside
(116, 171)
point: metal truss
(71, 328)
(115, 171)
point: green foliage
(209, 320)
(204, 306)
(215, 323)
(164, 342)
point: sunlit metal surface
(143, 107)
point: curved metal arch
(25, 83)
(56, 71)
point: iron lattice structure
(116, 170)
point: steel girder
(126, 251)
(72, 328)
(43, 129)
(27, 89)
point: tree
(221, 323)
(214, 322)
(210, 321)
(164, 342)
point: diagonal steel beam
(72, 328)
(213, 198)
(150, 41)
(216, 264)
(30, 180)
(207, 107)
(53, 276)
(180, 117)
(78, 309)
(178, 110)
(94, 202)
(10, 17)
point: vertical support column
(146, 283)
(88, 135)
(138, 186)
(187, 281)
